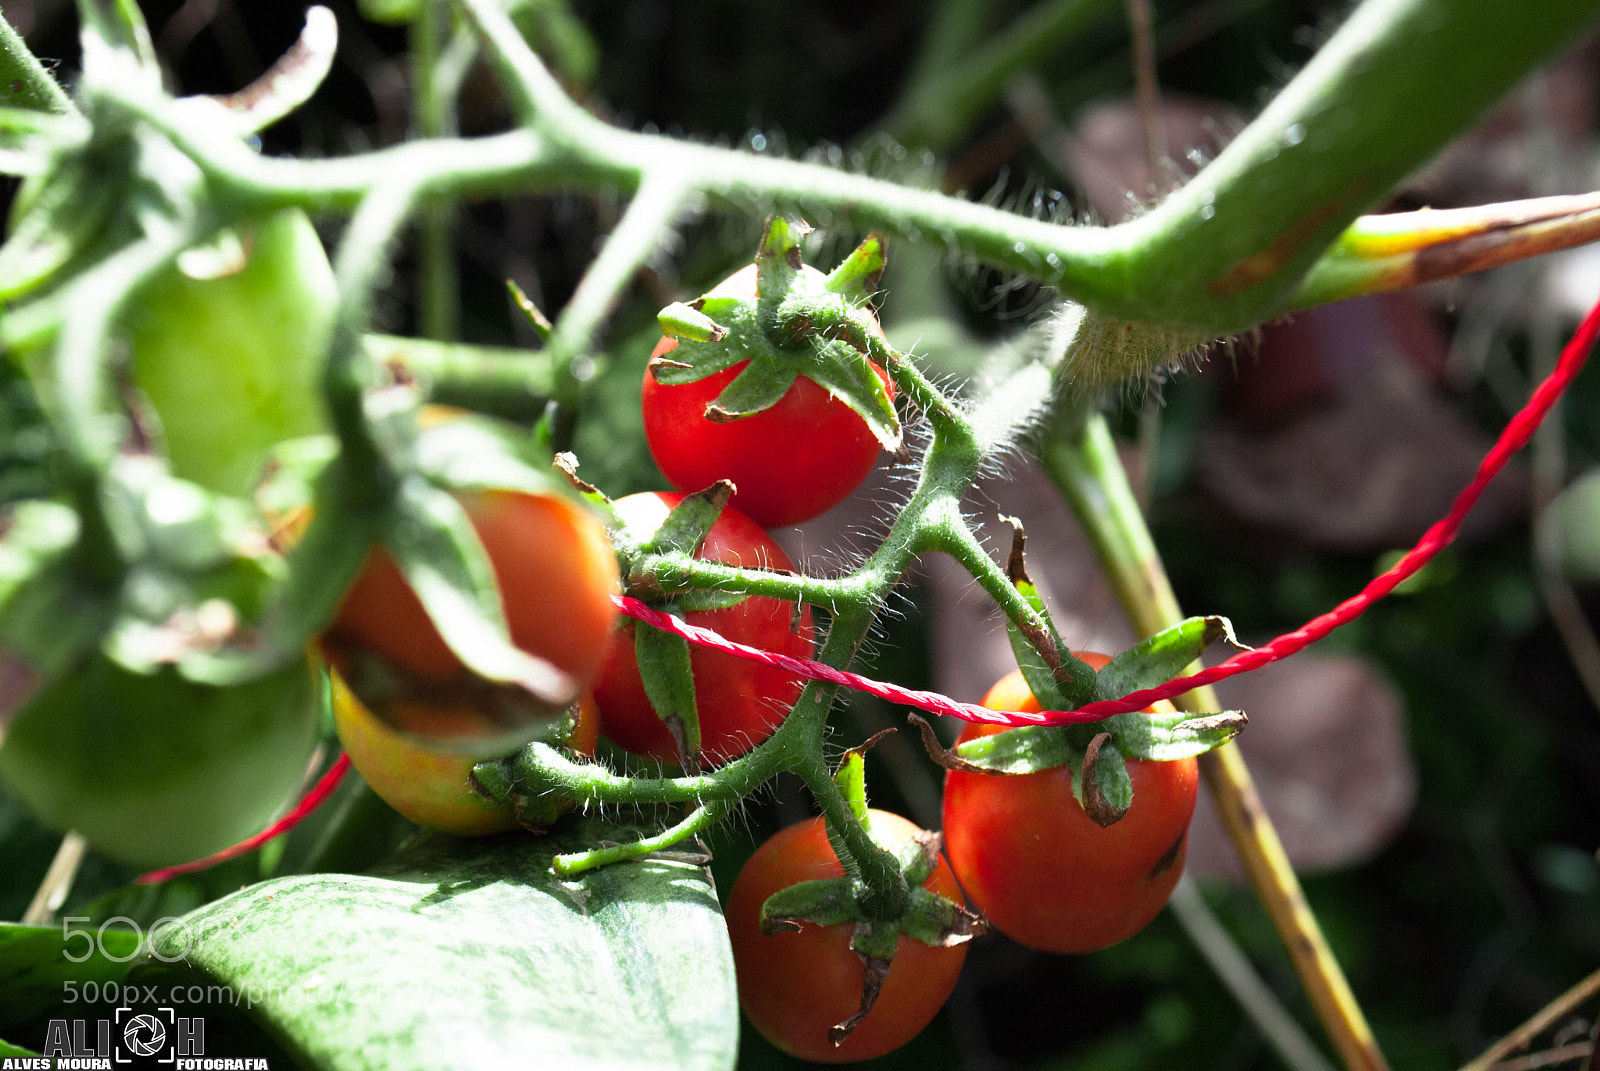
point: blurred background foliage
(1440, 779)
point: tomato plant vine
(153, 554)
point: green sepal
(858, 275)
(1159, 737)
(761, 385)
(668, 679)
(1068, 685)
(1169, 735)
(778, 263)
(443, 561)
(875, 940)
(682, 321)
(691, 520)
(851, 777)
(742, 339)
(939, 922)
(850, 379)
(1025, 749)
(825, 902)
(1159, 658)
(1111, 777)
(686, 602)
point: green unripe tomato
(231, 363)
(155, 770)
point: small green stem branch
(938, 107)
(1081, 459)
(651, 213)
(698, 821)
(439, 297)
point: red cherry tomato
(432, 788)
(1043, 872)
(556, 573)
(790, 463)
(794, 986)
(739, 702)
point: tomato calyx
(1096, 753)
(799, 322)
(926, 917)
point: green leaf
(8, 1049)
(1159, 658)
(668, 680)
(454, 939)
(447, 567)
(475, 452)
(36, 962)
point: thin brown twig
(1541, 1021)
(1548, 1057)
(1148, 93)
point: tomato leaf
(479, 453)
(1159, 658)
(446, 565)
(456, 940)
(48, 618)
(36, 961)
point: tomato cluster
(1019, 846)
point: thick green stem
(1082, 460)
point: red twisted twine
(308, 803)
(1515, 436)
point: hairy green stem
(637, 236)
(24, 82)
(698, 821)
(439, 290)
